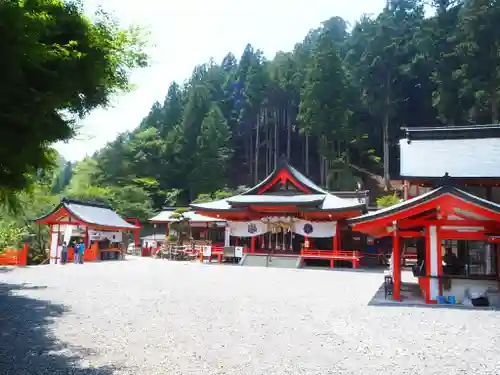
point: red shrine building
(452, 178)
(287, 220)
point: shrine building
(287, 221)
(451, 213)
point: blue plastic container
(452, 300)
(441, 300)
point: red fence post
(22, 256)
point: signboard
(207, 251)
(96, 235)
(238, 252)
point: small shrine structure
(450, 214)
(98, 225)
(290, 216)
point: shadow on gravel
(413, 298)
(26, 345)
(5, 269)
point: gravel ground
(152, 317)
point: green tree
(213, 152)
(58, 65)
(324, 111)
(478, 49)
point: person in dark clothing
(64, 253)
(452, 264)
(81, 250)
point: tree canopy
(58, 65)
(334, 104)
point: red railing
(353, 256)
(10, 257)
(331, 253)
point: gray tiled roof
(277, 199)
(103, 216)
(325, 202)
(92, 214)
(472, 158)
(165, 217)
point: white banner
(227, 236)
(238, 252)
(315, 229)
(247, 228)
(67, 233)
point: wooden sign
(207, 251)
(238, 252)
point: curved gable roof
(96, 214)
(285, 169)
(398, 208)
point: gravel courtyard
(149, 317)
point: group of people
(79, 252)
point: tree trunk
(494, 106)
(257, 147)
(289, 133)
(266, 125)
(327, 168)
(307, 155)
(276, 151)
(321, 170)
(385, 130)
(250, 154)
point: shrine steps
(275, 261)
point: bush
(387, 201)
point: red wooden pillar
(396, 265)
(252, 244)
(86, 237)
(337, 239)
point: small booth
(456, 235)
(99, 227)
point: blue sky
(189, 32)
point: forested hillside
(336, 101)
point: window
(469, 258)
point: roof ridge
(86, 203)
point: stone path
(153, 317)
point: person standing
(81, 248)
(76, 252)
(64, 253)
